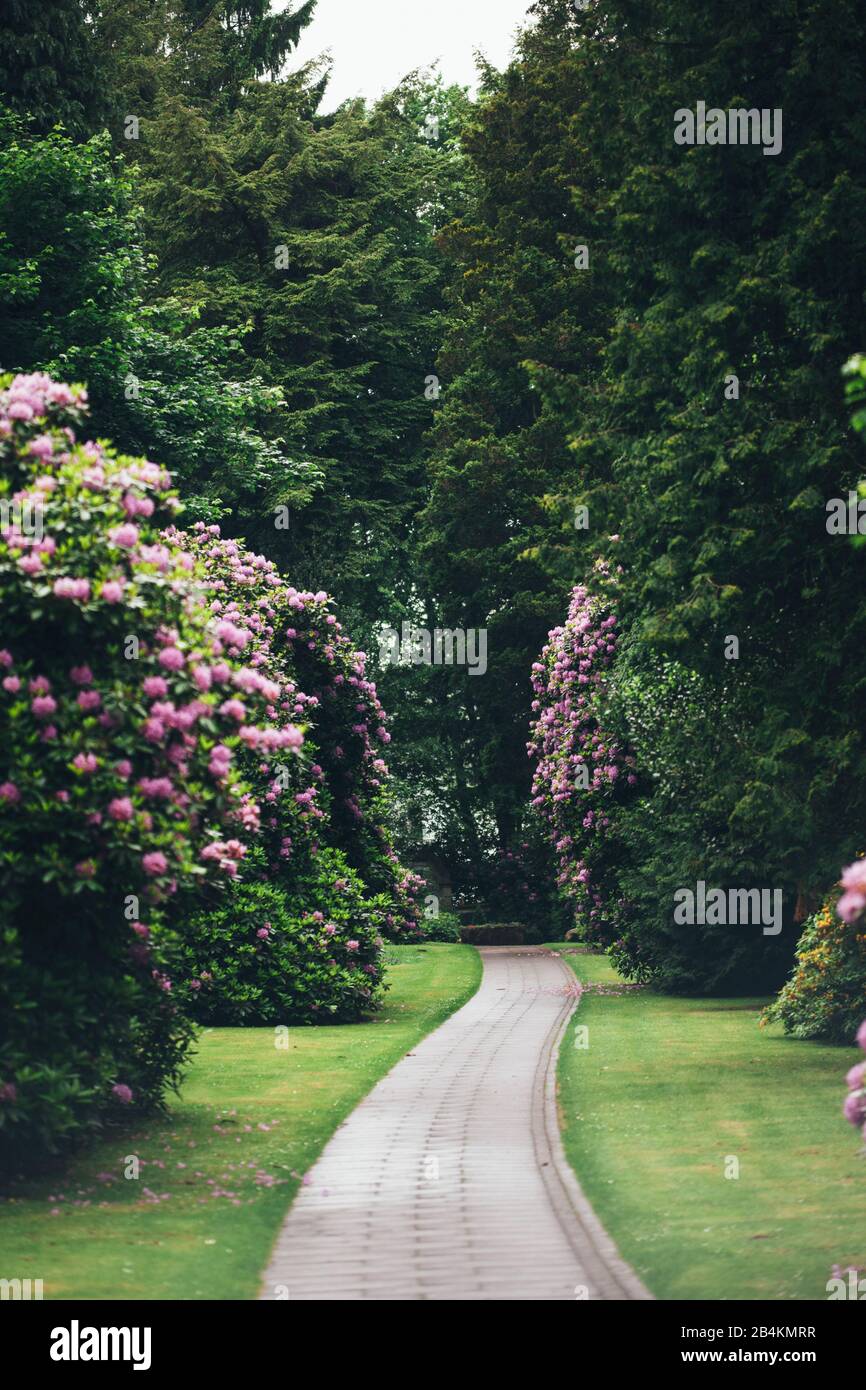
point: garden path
(449, 1180)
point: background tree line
(409, 253)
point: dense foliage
(111, 800)
(523, 366)
(706, 437)
(259, 958)
(152, 720)
(78, 299)
(825, 994)
(300, 644)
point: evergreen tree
(76, 299)
(714, 432)
(203, 51)
(313, 238)
(498, 458)
(49, 65)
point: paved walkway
(449, 1181)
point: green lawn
(666, 1090)
(220, 1172)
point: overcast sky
(376, 42)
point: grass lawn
(666, 1090)
(218, 1174)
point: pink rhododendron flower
(856, 1077)
(72, 588)
(172, 659)
(160, 788)
(43, 706)
(125, 536)
(853, 901)
(850, 905)
(854, 876)
(85, 762)
(42, 447)
(233, 709)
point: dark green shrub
(445, 926)
(264, 957)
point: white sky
(374, 43)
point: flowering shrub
(110, 800)
(824, 998)
(854, 1107)
(518, 883)
(342, 800)
(257, 959)
(151, 720)
(604, 705)
(582, 775)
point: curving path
(449, 1180)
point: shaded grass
(218, 1175)
(666, 1093)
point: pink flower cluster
(853, 900)
(152, 788)
(854, 1108)
(580, 771)
(283, 632)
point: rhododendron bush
(153, 737)
(628, 746)
(517, 884)
(300, 643)
(854, 1106)
(582, 774)
(262, 957)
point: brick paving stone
(449, 1180)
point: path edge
(614, 1276)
